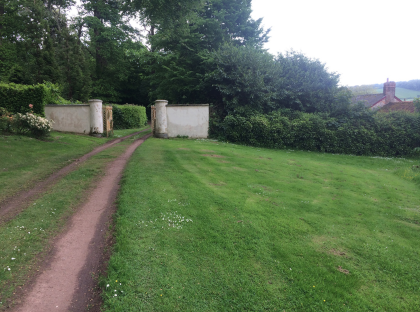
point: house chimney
(389, 91)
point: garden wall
(174, 120)
(84, 118)
(188, 120)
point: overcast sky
(365, 41)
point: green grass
(124, 132)
(26, 239)
(25, 160)
(270, 230)
(402, 93)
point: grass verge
(26, 240)
(208, 226)
(25, 160)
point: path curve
(12, 206)
(78, 251)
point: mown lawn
(25, 240)
(25, 160)
(208, 226)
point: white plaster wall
(69, 118)
(190, 120)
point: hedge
(16, 98)
(128, 116)
(382, 134)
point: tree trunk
(1, 20)
(98, 56)
(70, 93)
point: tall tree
(178, 70)
(309, 85)
(29, 33)
(106, 39)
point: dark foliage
(128, 116)
(16, 98)
(360, 133)
(411, 84)
(251, 80)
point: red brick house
(376, 101)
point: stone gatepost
(96, 120)
(161, 127)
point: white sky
(365, 41)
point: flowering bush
(31, 123)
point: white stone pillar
(96, 120)
(161, 127)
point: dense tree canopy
(202, 51)
(249, 80)
(411, 84)
(363, 89)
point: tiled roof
(368, 99)
(397, 106)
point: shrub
(128, 116)
(417, 104)
(390, 134)
(6, 120)
(31, 123)
(16, 98)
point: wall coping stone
(169, 105)
(66, 105)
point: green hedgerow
(380, 134)
(128, 116)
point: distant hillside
(410, 85)
(402, 93)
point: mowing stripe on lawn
(209, 226)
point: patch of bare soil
(337, 252)
(211, 155)
(68, 279)
(10, 207)
(343, 270)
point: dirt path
(66, 278)
(12, 206)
